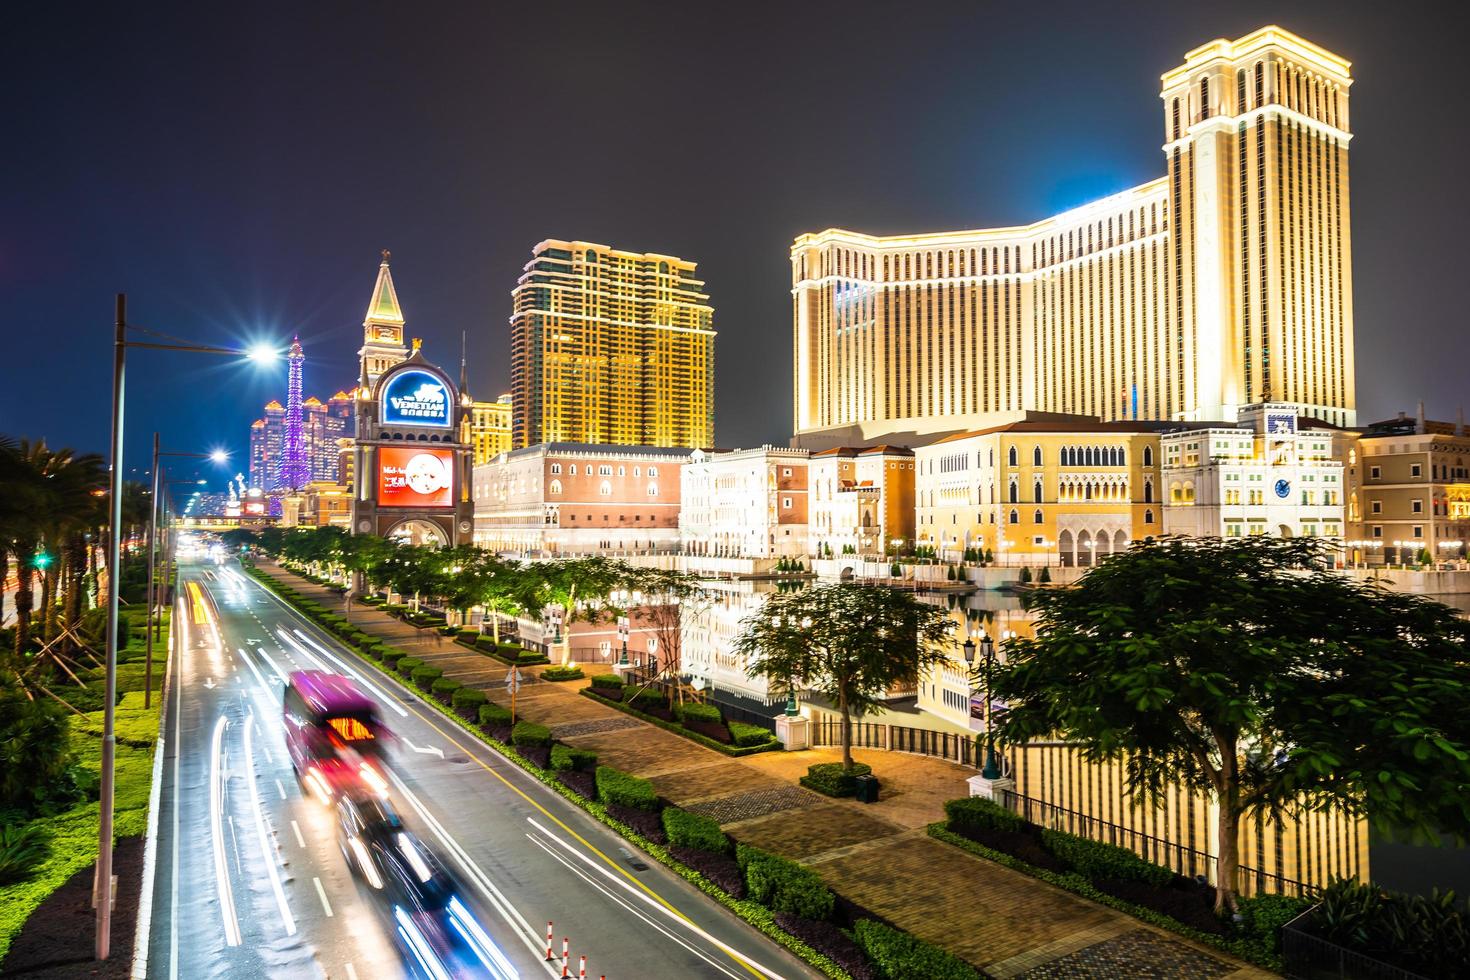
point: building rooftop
(1078, 424)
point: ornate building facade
(1224, 283)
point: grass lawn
(72, 834)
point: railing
(1311, 957)
(897, 738)
(1179, 858)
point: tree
(668, 597)
(1247, 670)
(238, 538)
(850, 643)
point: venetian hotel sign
(416, 397)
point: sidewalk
(877, 855)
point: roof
(1079, 425)
(880, 450)
(274, 406)
(384, 304)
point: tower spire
(382, 328)
(463, 357)
(295, 471)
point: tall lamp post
(987, 651)
(102, 885)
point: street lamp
(624, 627)
(987, 649)
(102, 886)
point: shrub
(469, 699)
(425, 676)
(625, 789)
(1266, 914)
(1045, 576)
(486, 643)
(22, 847)
(609, 681)
(407, 665)
(901, 956)
(470, 633)
(784, 885)
(565, 758)
(530, 657)
(830, 779)
(696, 712)
(528, 733)
(1101, 861)
(37, 750)
(1025, 574)
(974, 812)
(559, 673)
(494, 716)
(390, 657)
(445, 686)
(695, 830)
(646, 698)
(372, 648)
(744, 735)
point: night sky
(237, 168)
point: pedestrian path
(877, 855)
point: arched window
(622, 471)
(1036, 517)
(1148, 517)
(1148, 491)
(653, 471)
(1176, 492)
(1087, 492)
(1122, 456)
(1015, 517)
(1011, 456)
(1015, 494)
(1148, 455)
(1036, 492)
(572, 470)
(606, 489)
(653, 489)
(1036, 456)
(554, 486)
(1189, 490)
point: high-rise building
(323, 427)
(1226, 282)
(382, 329)
(490, 428)
(611, 347)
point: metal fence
(897, 738)
(1183, 860)
(1310, 957)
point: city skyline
(452, 271)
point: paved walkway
(876, 854)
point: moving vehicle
(333, 734)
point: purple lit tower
(295, 470)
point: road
(249, 880)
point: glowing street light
(263, 354)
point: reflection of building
(611, 347)
(1271, 473)
(708, 653)
(750, 503)
(1409, 490)
(1064, 489)
(575, 498)
(490, 428)
(1226, 282)
(861, 499)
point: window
(1148, 491)
(1378, 530)
(1036, 492)
(1416, 506)
(653, 489)
(1148, 455)
(1418, 530)
(1015, 494)
(1015, 517)
(653, 471)
(556, 469)
(1036, 517)
(1148, 517)
(1036, 456)
(635, 471)
(606, 489)
(1011, 456)
(554, 486)
(621, 471)
(604, 471)
(785, 471)
(786, 503)
(1415, 470)
(1375, 472)
(1376, 507)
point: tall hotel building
(1224, 283)
(611, 347)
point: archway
(1064, 549)
(1284, 531)
(1120, 541)
(417, 531)
(1084, 549)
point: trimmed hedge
(1101, 861)
(625, 789)
(783, 885)
(695, 830)
(390, 657)
(494, 716)
(745, 735)
(830, 779)
(560, 673)
(609, 681)
(901, 956)
(425, 676)
(407, 665)
(469, 699)
(696, 712)
(447, 686)
(669, 726)
(565, 758)
(528, 733)
(648, 696)
(974, 811)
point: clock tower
(382, 330)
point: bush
(625, 789)
(1045, 576)
(647, 698)
(1100, 861)
(696, 712)
(494, 716)
(830, 779)
(445, 686)
(469, 699)
(784, 885)
(528, 733)
(486, 642)
(565, 758)
(470, 633)
(743, 734)
(22, 847)
(611, 682)
(1025, 575)
(37, 750)
(974, 812)
(1266, 914)
(695, 830)
(407, 665)
(372, 648)
(391, 656)
(559, 673)
(424, 676)
(901, 956)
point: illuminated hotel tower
(1226, 282)
(611, 347)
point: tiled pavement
(877, 855)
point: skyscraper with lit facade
(611, 347)
(1225, 283)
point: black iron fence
(897, 738)
(1308, 957)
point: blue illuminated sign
(417, 398)
(1283, 488)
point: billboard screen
(413, 477)
(415, 397)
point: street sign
(513, 681)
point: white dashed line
(299, 839)
(322, 894)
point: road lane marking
(221, 869)
(173, 925)
(280, 789)
(267, 851)
(351, 972)
(426, 750)
(300, 841)
(322, 894)
(391, 702)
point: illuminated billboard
(413, 477)
(415, 397)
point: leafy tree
(850, 643)
(239, 537)
(668, 600)
(1246, 669)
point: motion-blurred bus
(336, 740)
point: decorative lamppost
(624, 627)
(987, 650)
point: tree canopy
(1249, 670)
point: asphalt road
(249, 879)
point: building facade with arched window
(749, 503)
(1223, 283)
(1066, 490)
(862, 500)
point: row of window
(604, 490)
(603, 470)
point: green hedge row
(565, 758)
(831, 779)
(783, 885)
(902, 956)
(560, 673)
(695, 830)
(769, 745)
(528, 733)
(625, 789)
